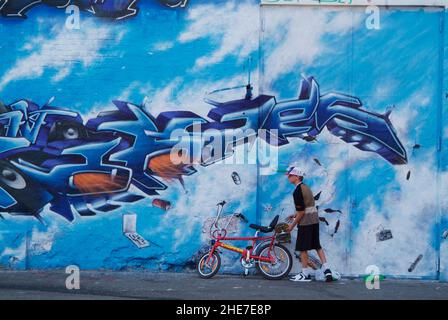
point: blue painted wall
(390, 175)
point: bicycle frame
(246, 253)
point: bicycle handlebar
(222, 203)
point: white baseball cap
(295, 172)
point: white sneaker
(301, 277)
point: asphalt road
(49, 285)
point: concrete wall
(357, 105)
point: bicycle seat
(265, 229)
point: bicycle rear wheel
(208, 270)
(282, 265)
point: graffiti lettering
(88, 167)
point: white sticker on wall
(130, 231)
(129, 223)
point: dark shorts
(308, 238)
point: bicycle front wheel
(281, 266)
(209, 269)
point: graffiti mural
(50, 153)
(134, 183)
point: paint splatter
(384, 235)
(162, 204)
(309, 139)
(329, 210)
(414, 264)
(322, 219)
(408, 176)
(236, 178)
(242, 217)
(336, 228)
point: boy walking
(307, 220)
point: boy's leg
(304, 259)
(322, 257)
(306, 270)
(303, 276)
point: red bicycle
(271, 259)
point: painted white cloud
(163, 46)
(298, 36)
(177, 95)
(295, 36)
(42, 241)
(143, 89)
(233, 28)
(411, 218)
(61, 51)
(407, 111)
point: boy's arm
(299, 216)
